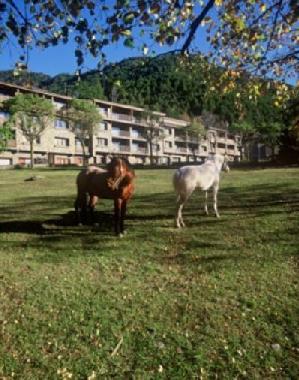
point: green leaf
(129, 42)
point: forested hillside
(160, 83)
(256, 108)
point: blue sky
(61, 59)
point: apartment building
(123, 131)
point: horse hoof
(96, 224)
(80, 224)
(120, 235)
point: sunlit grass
(216, 299)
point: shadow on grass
(43, 219)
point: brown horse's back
(117, 183)
(97, 182)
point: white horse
(204, 176)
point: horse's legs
(117, 215)
(123, 215)
(179, 208)
(77, 211)
(92, 204)
(80, 208)
(215, 191)
(206, 203)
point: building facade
(123, 131)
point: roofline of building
(97, 101)
(65, 97)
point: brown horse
(114, 183)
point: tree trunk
(151, 138)
(151, 152)
(85, 159)
(31, 154)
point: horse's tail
(176, 181)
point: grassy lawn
(217, 299)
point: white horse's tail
(176, 179)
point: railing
(138, 120)
(121, 148)
(181, 150)
(139, 150)
(168, 149)
(138, 136)
(121, 116)
(104, 114)
(121, 133)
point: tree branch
(293, 54)
(195, 24)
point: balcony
(180, 138)
(192, 140)
(104, 114)
(137, 135)
(121, 148)
(101, 148)
(120, 133)
(138, 120)
(11, 144)
(181, 150)
(122, 117)
(139, 150)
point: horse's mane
(117, 165)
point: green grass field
(215, 300)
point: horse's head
(116, 168)
(220, 161)
(119, 172)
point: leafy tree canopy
(82, 117)
(259, 36)
(5, 135)
(33, 105)
(83, 112)
(29, 113)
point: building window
(168, 144)
(61, 142)
(61, 124)
(58, 105)
(116, 131)
(101, 142)
(176, 159)
(38, 140)
(4, 115)
(103, 126)
(136, 133)
(103, 111)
